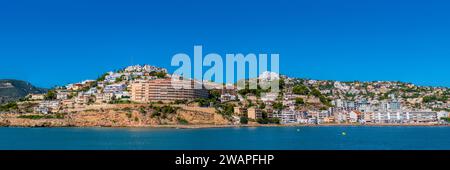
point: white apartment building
(405, 117)
(287, 116)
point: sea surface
(251, 138)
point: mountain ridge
(12, 90)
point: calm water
(267, 138)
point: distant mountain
(11, 90)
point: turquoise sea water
(261, 138)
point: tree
(316, 92)
(299, 101)
(158, 74)
(278, 106)
(119, 79)
(244, 120)
(326, 101)
(274, 120)
(262, 121)
(102, 77)
(262, 106)
(300, 90)
(182, 121)
(9, 106)
(203, 102)
(225, 109)
(51, 95)
(268, 120)
(214, 94)
(429, 99)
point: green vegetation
(225, 109)
(119, 79)
(182, 121)
(316, 92)
(385, 96)
(349, 95)
(202, 102)
(102, 77)
(213, 99)
(9, 107)
(163, 111)
(36, 117)
(268, 120)
(301, 90)
(115, 101)
(142, 110)
(51, 95)
(441, 109)
(129, 115)
(327, 86)
(434, 98)
(18, 90)
(158, 74)
(262, 106)
(447, 119)
(282, 83)
(257, 92)
(326, 101)
(278, 106)
(299, 101)
(180, 102)
(214, 94)
(243, 120)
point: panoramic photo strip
(225, 84)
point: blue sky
(57, 42)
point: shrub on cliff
(182, 121)
(244, 120)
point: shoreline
(238, 126)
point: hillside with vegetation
(12, 90)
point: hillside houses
(300, 101)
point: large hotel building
(164, 90)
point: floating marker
(343, 133)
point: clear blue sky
(56, 42)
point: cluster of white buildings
(289, 116)
(387, 111)
(114, 86)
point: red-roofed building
(355, 116)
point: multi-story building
(254, 113)
(166, 90)
(227, 97)
(62, 95)
(269, 97)
(355, 116)
(287, 116)
(114, 88)
(240, 111)
(37, 96)
(421, 116)
(103, 97)
(83, 99)
(405, 117)
(48, 106)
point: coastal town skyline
(138, 90)
(123, 64)
(225, 83)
